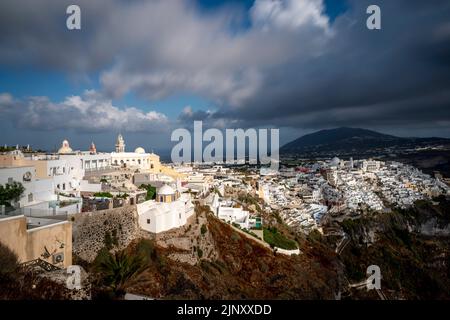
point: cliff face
(411, 247)
(113, 228)
(243, 269)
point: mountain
(348, 140)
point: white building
(234, 215)
(138, 159)
(37, 192)
(170, 210)
(38, 197)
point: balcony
(99, 171)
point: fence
(38, 213)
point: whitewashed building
(139, 159)
(170, 210)
(234, 215)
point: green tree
(11, 192)
(151, 191)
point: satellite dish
(74, 184)
(27, 176)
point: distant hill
(353, 140)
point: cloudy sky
(144, 68)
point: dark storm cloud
(398, 76)
(291, 68)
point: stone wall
(91, 228)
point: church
(139, 159)
(170, 210)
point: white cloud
(187, 111)
(88, 112)
(5, 98)
(289, 14)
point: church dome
(140, 150)
(166, 190)
(65, 147)
(335, 161)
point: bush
(235, 236)
(200, 253)
(203, 229)
(108, 240)
(151, 191)
(315, 235)
(10, 192)
(118, 270)
(102, 255)
(9, 262)
(103, 195)
(146, 249)
(276, 239)
(115, 239)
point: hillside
(344, 140)
(242, 270)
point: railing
(47, 266)
(39, 213)
(99, 169)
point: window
(179, 215)
(148, 221)
(64, 186)
(57, 186)
(30, 197)
(10, 180)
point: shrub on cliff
(118, 269)
(8, 262)
(275, 239)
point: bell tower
(120, 144)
